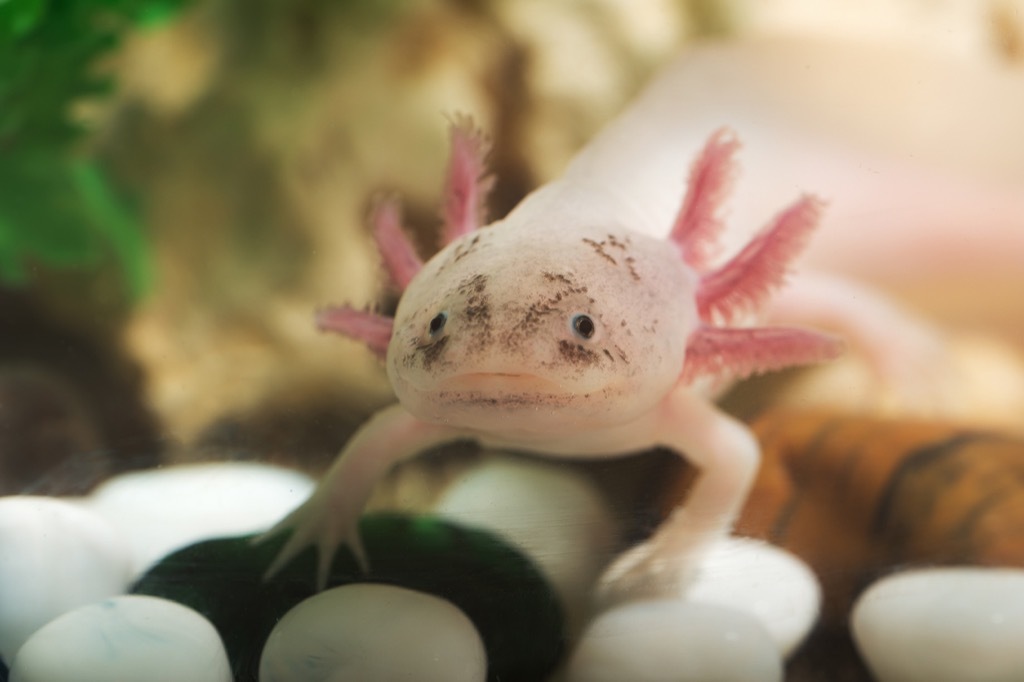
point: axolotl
(567, 330)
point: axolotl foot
(644, 572)
(316, 523)
(329, 519)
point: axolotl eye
(437, 323)
(583, 326)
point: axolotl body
(568, 329)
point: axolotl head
(544, 329)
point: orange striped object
(856, 497)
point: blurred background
(183, 182)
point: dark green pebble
(500, 589)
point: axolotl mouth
(498, 387)
(510, 390)
(523, 404)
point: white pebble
(672, 640)
(368, 633)
(552, 514)
(765, 581)
(943, 625)
(162, 510)
(124, 638)
(54, 557)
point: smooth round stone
(769, 583)
(54, 557)
(943, 625)
(162, 510)
(366, 632)
(672, 640)
(124, 638)
(553, 515)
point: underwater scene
(511, 341)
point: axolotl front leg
(724, 451)
(727, 456)
(330, 517)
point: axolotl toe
(566, 330)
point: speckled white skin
(54, 557)
(943, 625)
(124, 638)
(511, 292)
(364, 632)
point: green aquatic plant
(58, 208)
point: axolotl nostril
(567, 330)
